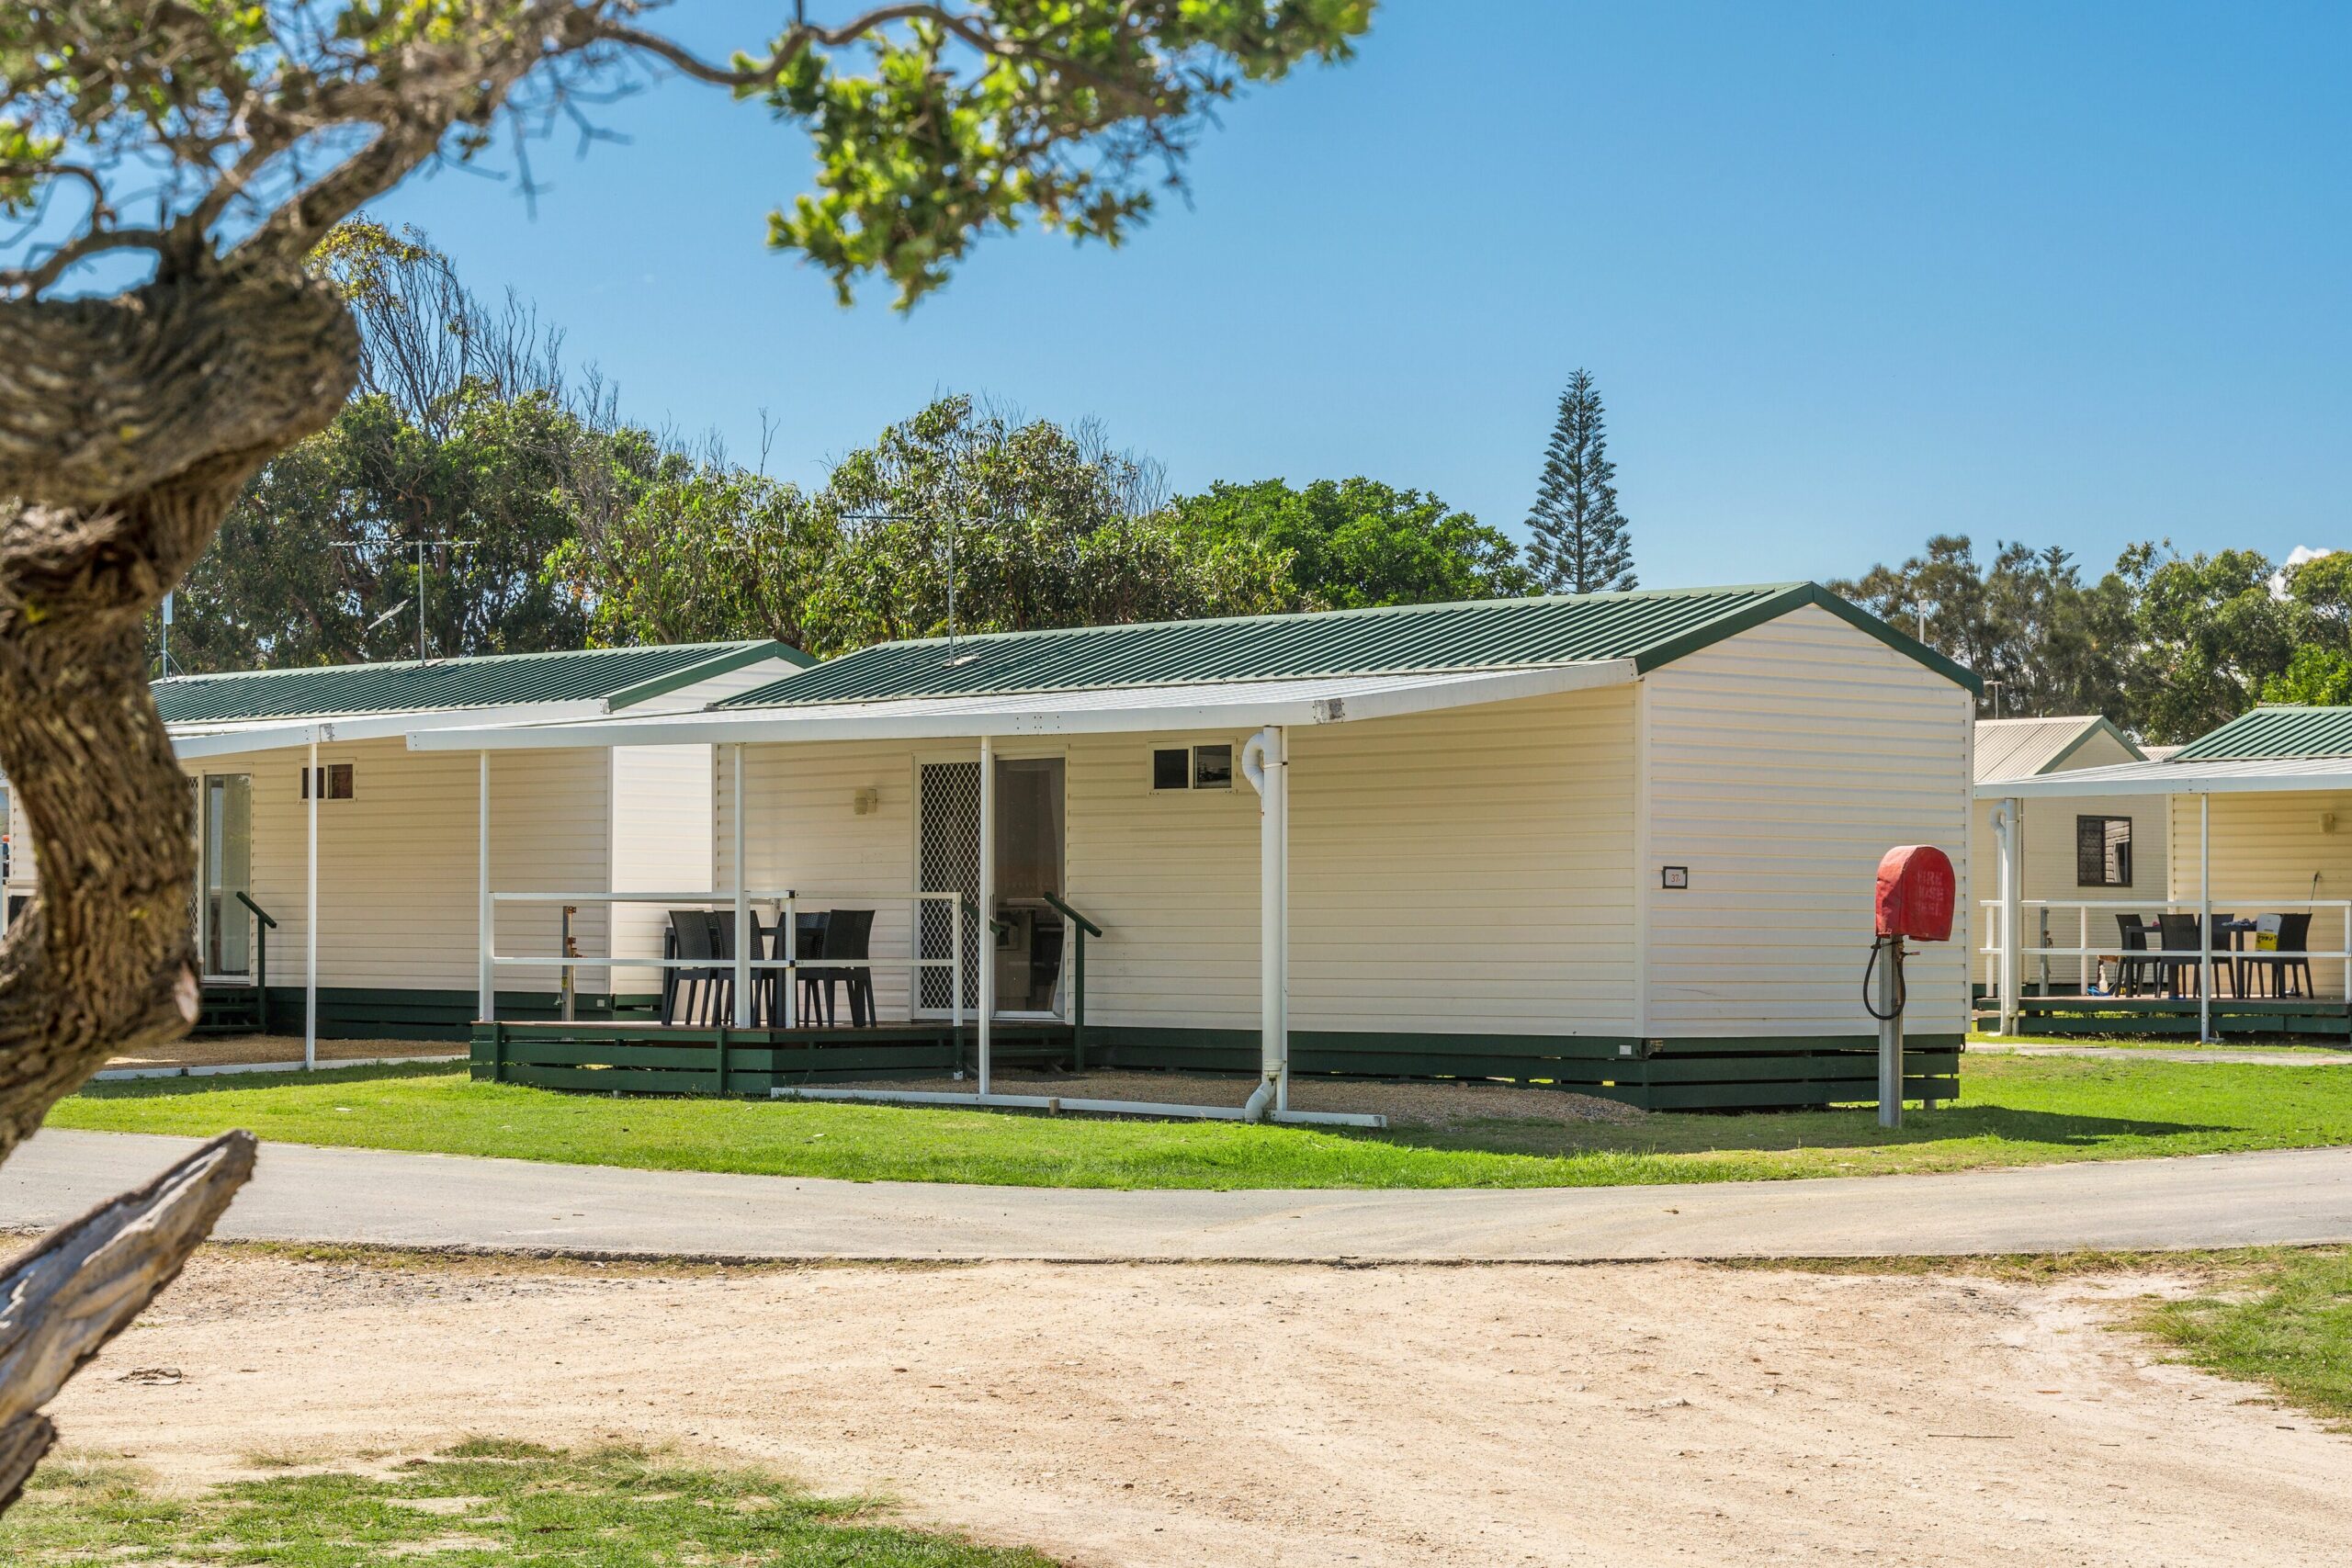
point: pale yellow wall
(661, 827)
(1464, 872)
(2049, 863)
(2267, 848)
(397, 862)
(1782, 764)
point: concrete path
(440, 1201)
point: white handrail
(783, 901)
(2089, 952)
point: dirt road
(1133, 1414)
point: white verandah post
(311, 786)
(1265, 763)
(2012, 844)
(2205, 918)
(743, 933)
(485, 916)
(988, 903)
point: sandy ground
(1422, 1104)
(1662, 1413)
(236, 1050)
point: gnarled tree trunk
(114, 475)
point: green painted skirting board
(1671, 1075)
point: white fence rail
(785, 904)
(2090, 949)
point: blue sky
(1848, 274)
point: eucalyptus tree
(172, 164)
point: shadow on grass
(210, 1083)
(1788, 1131)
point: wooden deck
(2324, 1017)
(651, 1058)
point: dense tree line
(549, 521)
(2166, 644)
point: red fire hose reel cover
(1915, 891)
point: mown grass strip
(2013, 1111)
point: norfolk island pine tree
(1582, 542)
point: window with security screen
(2102, 851)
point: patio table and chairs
(701, 994)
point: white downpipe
(2205, 919)
(486, 910)
(1264, 764)
(2009, 829)
(742, 897)
(988, 903)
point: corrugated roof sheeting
(2275, 732)
(2020, 748)
(1647, 627)
(2224, 776)
(496, 681)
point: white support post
(1265, 763)
(2012, 840)
(485, 908)
(2205, 919)
(313, 787)
(742, 894)
(987, 902)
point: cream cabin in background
(396, 866)
(1618, 841)
(2091, 847)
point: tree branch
(60, 1302)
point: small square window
(1212, 767)
(333, 782)
(1172, 769)
(2102, 851)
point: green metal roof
(620, 676)
(2271, 733)
(1650, 627)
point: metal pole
(567, 988)
(2205, 919)
(987, 901)
(2012, 881)
(1890, 1034)
(742, 899)
(312, 785)
(485, 911)
(1278, 771)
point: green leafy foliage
(1357, 542)
(2167, 645)
(1581, 543)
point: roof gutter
(923, 719)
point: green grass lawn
(2282, 1319)
(2014, 1110)
(481, 1504)
(2168, 1042)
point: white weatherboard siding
(1782, 763)
(660, 827)
(2050, 874)
(397, 876)
(1463, 872)
(804, 832)
(2267, 848)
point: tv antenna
(422, 546)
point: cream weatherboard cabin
(275, 757)
(2257, 818)
(1619, 842)
(2086, 847)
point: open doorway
(1027, 950)
(1028, 875)
(224, 934)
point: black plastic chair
(2178, 937)
(848, 934)
(2289, 961)
(2132, 973)
(690, 992)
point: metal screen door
(948, 859)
